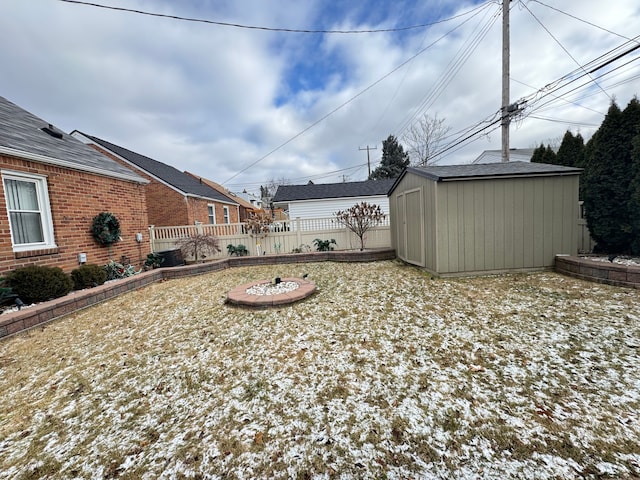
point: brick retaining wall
(12, 323)
(600, 272)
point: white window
(29, 211)
(226, 214)
(212, 214)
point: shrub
(153, 260)
(115, 270)
(238, 250)
(324, 245)
(88, 276)
(39, 283)
(6, 293)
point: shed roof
(447, 173)
(183, 182)
(367, 188)
(24, 135)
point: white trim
(44, 207)
(213, 207)
(36, 157)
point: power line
(453, 67)
(255, 27)
(324, 117)
(580, 19)
(563, 48)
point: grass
(384, 373)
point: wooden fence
(284, 236)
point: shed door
(411, 247)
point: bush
(88, 276)
(38, 283)
(153, 260)
(324, 245)
(238, 250)
(116, 271)
(6, 293)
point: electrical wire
(327, 115)
(453, 67)
(254, 27)
(580, 19)
(563, 47)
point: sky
(250, 106)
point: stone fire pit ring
(241, 295)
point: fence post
(298, 232)
(152, 237)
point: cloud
(213, 100)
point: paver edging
(598, 272)
(45, 312)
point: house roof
(444, 173)
(182, 182)
(24, 135)
(515, 154)
(368, 188)
(216, 186)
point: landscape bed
(383, 373)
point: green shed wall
(488, 225)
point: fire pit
(271, 293)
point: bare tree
(424, 138)
(198, 246)
(360, 219)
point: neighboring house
(52, 188)
(468, 219)
(173, 197)
(252, 199)
(246, 208)
(515, 155)
(324, 199)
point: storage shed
(484, 218)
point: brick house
(246, 208)
(52, 188)
(173, 197)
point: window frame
(226, 214)
(211, 213)
(44, 208)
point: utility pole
(368, 159)
(505, 80)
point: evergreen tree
(571, 151)
(538, 154)
(394, 160)
(634, 197)
(543, 154)
(606, 183)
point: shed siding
(323, 208)
(498, 224)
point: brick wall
(75, 198)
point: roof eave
(36, 157)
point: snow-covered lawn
(384, 373)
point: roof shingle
(22, 132)
(367, 188)
(168, 174)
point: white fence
(284, 236)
